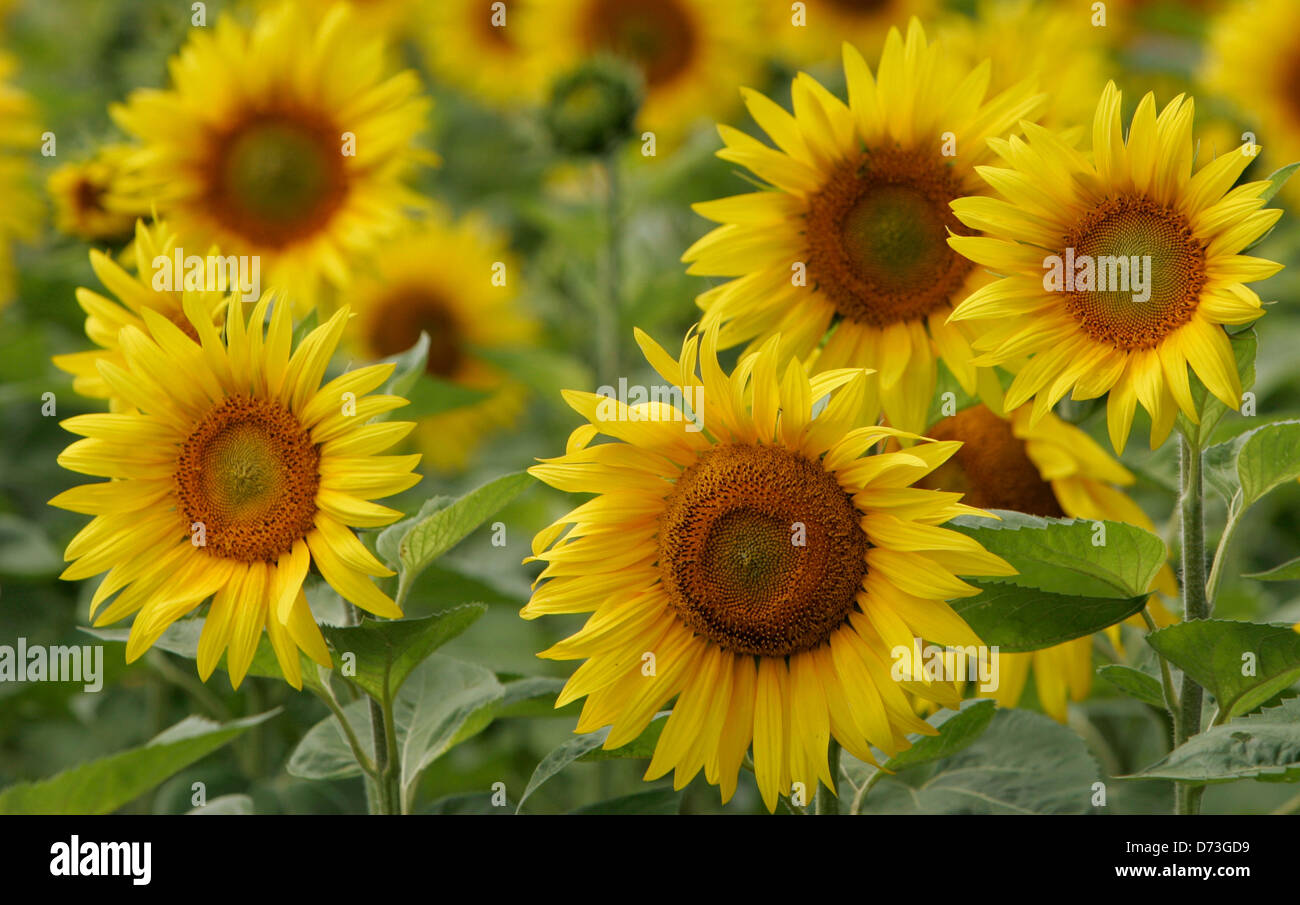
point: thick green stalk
(1187, 797)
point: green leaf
(391, 537)
(25, 551)
(1023, 763)
(386, 651)
(438, 532)
(643, 746)
(1268, 456)
(1063, 556)
(1214, 653)
(1264, 746)
(656, 801)
(1134, 683)
(445, 702)
(1018, 620)
(957, 730)
(574, 749)
(1288, 571)
(411, 364)
(1277, 179)
(226, 804)
(431, 395)
(182, 639)
(102, 786)
(531, 697)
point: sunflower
(234, 473)
(106, 317)
(1253, 59)
(813, 34)
(480, 49)
(690, 53)
(1049, 469)
(760, 569)
(1135, 200)
(391, 18)
(86, 197)
(282, 141)
(459, 283)
(21, 212)
(852, 233)
(1053, 43)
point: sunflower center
(407, 312)
(761, 551)
(1153, 266)
(277, 177)
(89, 196)
(992, 468)
(657, 35)
(248, 474)
(877, 235)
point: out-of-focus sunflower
(459, 283)
(478, 46)
(86, 196)
(1254, 60)
(763, 567)
(284, 141)
(390, 18)
(1050, 42)
(21, 212)
(133, 293)
(853, 237)
(814, 32)
(1050, 469)
(1129, 198)
(691, 53)
(233, 474)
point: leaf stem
(1196, 605)
(1166, 678)
(1229, 528)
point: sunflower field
(461, 407)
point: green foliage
(1134, 683)
(104, 785)
(1017, 619)
(1263, 746)
(1243, 664)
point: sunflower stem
(609, 308)
(827, 802)
(1196, 604)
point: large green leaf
(104, 785)
(1018, 619)
(1264, 745)
(430, 537)
(1216, 653)
(1070, 556)
(387, 651)
(182, 639)
(579, 746)
(1023, 763)
(443, 703)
